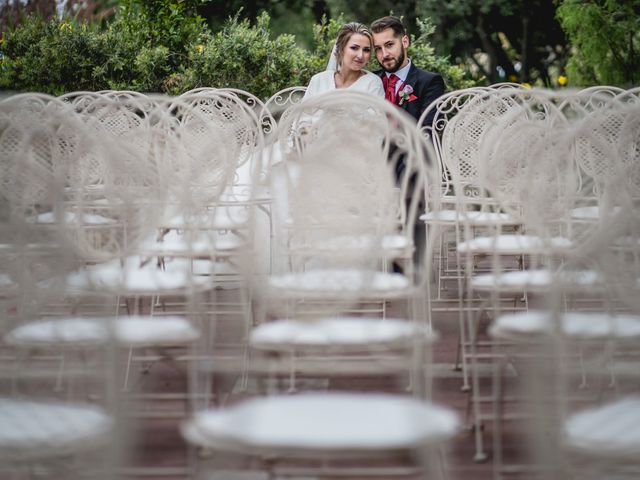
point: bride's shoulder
(325, 74)
(372, 77)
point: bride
(351, 54)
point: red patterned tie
(390, 87)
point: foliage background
(167, 46)
(263, 46)
(606, 40)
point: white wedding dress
(324, 82)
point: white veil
(333, 62)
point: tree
(500, 39)
(217, 12)
(605, 40)
(366, 11)
(89, 10)
(287, 16)
(165, 46)
(11, 12)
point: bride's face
(357, 52)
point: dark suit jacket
(427, 87)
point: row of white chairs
(121, 214)
(543, 189)
(121, 205)
(128, 205)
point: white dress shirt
(401, 74)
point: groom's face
(390, 50)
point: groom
(406, 85)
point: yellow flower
(562, 80)
(513, 78)
(526, 84)
(199, 48)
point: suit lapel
(412, 78)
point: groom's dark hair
(391, 22)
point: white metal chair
(336, 186)
(579, 378)
(338, 210)
(461, 123)
(52, 439)
(281, 101)
(531, 145)
(239, 168)
(46, 433)
(544, 153)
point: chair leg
(480, 454)
(462, 301)
(58, 386)
(462, 345)
(433, 463)
(125, 386)
(292, 374)
(497, 399)
(457, 363)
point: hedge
(132, 53)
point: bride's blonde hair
(345, 33)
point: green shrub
(125, 40)
(168, 23)
(149, 41)
(246, 57)
(605, 41)
(151, 48)
(52, 57)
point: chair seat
(591, 212)
(474, 218)
(585, 213)
(7, 285)
(608, 430)
(578, 325)
(340, 332)
(336, 281)
(73, 217)
(128, 331)
(534, 280)
(513, 245)
(132, 278)
(156, 331)
(322, 423)
(175, 243)
(31, 429)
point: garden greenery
(605, 39)
(159, 46)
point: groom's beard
(395, 66)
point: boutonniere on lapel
(406, 94)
